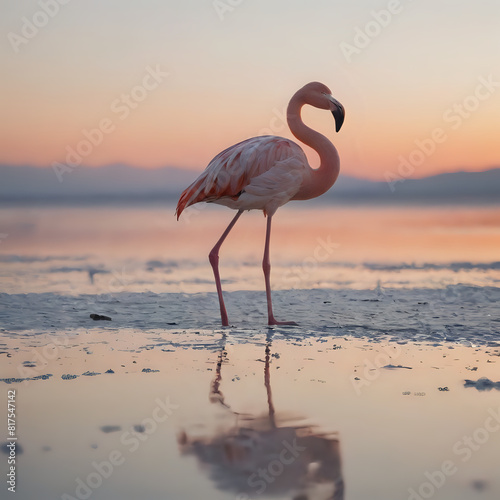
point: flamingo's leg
(213, 257)
(266, 267)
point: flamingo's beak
(338, 112)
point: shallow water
(387, 388)
(212, 418)
(103, 250)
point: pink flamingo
(264, 173)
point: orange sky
(175, 83)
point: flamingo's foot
(273, 322)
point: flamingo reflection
(257, 456)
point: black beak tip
(339, 119)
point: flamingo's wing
(274, 187)
(228, 174)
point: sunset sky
(171, 83)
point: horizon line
(464, 170)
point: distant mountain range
(126, 184)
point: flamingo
(264, 173)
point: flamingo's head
(320, 96)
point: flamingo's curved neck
(322, 178)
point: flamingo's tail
(191, 195)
